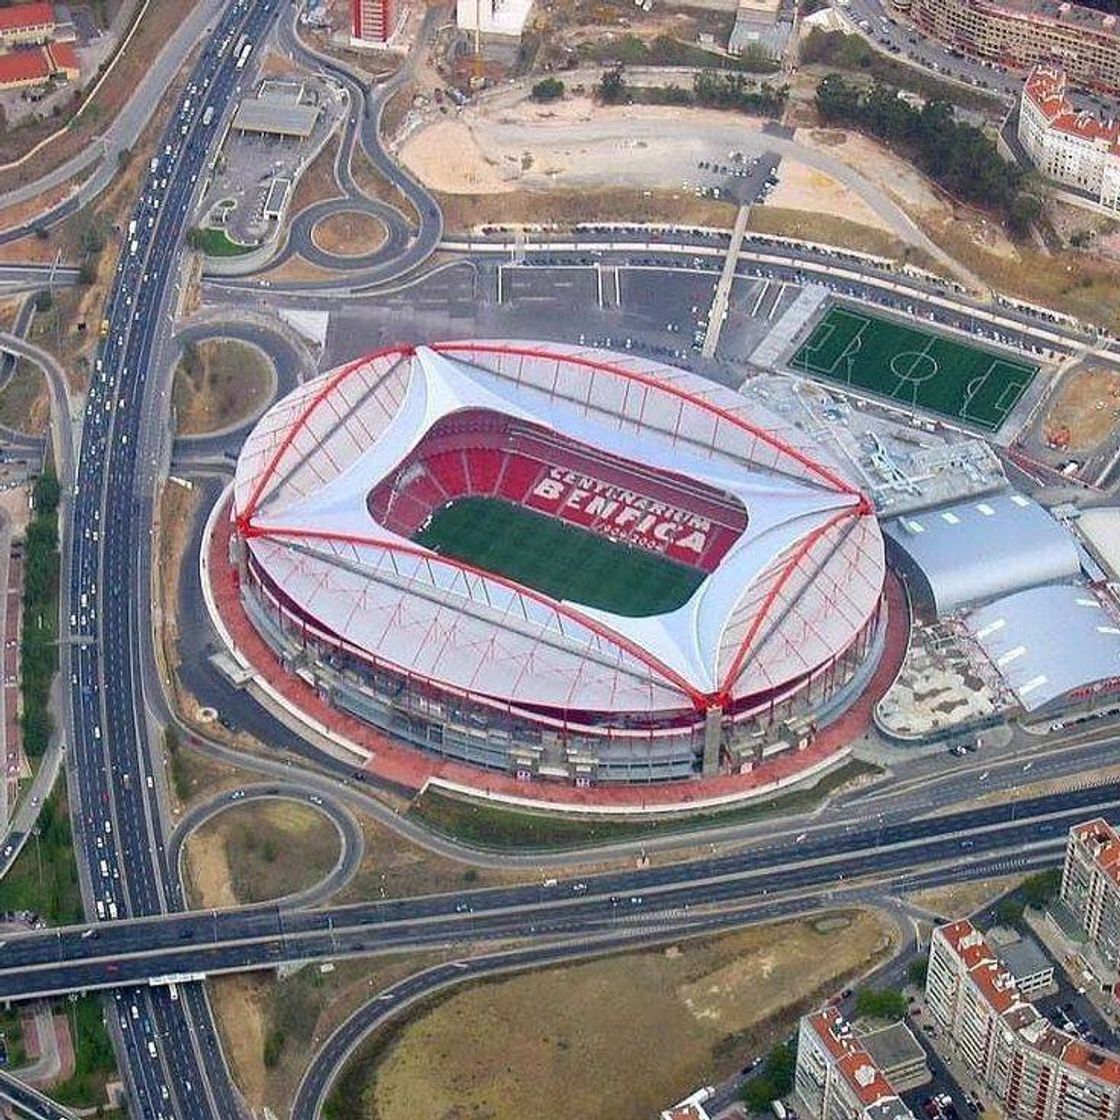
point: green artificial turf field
(915, 367)
(563, 561)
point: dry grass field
(669, 1020)
(223, 382)
(349, 233)
(259, 851)
(959, 900)
(24, 400)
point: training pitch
(915, 367)
(563, 561)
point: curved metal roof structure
(986, 547)
(793, 590)
(1050, 642)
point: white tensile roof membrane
(792, 591)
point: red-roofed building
(1037, 1071)
(26, 23)
(35, 65)
(1076, 149)
(836, 1078)
(1091, 887)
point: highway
(139, 950)
(169, 1053)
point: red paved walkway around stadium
(413, 768)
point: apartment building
(26, 23)
(836, 1078)
(373, 21)
(1025, 33)
(1035, 1070)
(1073, 148)
(1091, 887)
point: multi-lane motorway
(145, 948)
(172, 1063)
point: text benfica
(620, 513)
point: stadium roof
(793, 590)
(1049, 641)
(984, 548)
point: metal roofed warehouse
(1055, 647)
(978, 550)
(556, 561)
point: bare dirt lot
(259, 851)
(349, 233)
(220, 382)
(1085, 409)
(670, 1019)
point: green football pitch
(915, 367)
(563, 561)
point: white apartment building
(1073, 148)
(1037, 1071)
(1091, 887)
(836, 1078)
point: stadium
(557, 562)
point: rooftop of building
(996, 984)
(855, 1064)
(892, 1046)
(25, 66)
(1024, 957)
(1103, 843)
(1046, 88)
(1057, 11)
(21, 17)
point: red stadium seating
(484, 454)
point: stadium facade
(557, 562)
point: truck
(243, 56)
(779, 1110)
(208, 116)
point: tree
(775, 1079)
(92, 239)
(916, 972)
(613, 89)
(548, 89)
(880, 1003)
(87, 273)
(1025, 210)
(1041, 888)
(1009, 912)
(44, 301)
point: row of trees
(39, 651)
(710, 89)
(958, 156)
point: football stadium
(557, 562)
